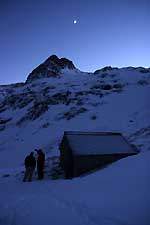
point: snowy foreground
(116, 195)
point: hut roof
(97, 143)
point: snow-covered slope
(35, 114)
(117, 195)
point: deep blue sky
(108, 32)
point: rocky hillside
(57, 96)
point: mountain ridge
(36, 113)
(53, 67)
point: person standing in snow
(40, 164)
(30, 164)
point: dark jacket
(40, 159)
(30, 161)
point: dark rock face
(106, 68)
(35, 112)
(50, 68)
(66, 63)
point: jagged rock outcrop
(106, 68)
(51, 67)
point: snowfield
(117, 195)
(35, 115)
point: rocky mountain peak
(51, 67)
(52, 59)
(67, 63)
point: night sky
(107, 32)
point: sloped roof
(97, 143)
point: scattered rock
(93, 117)
(71, 113)
(143, 82)
(6, 175)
